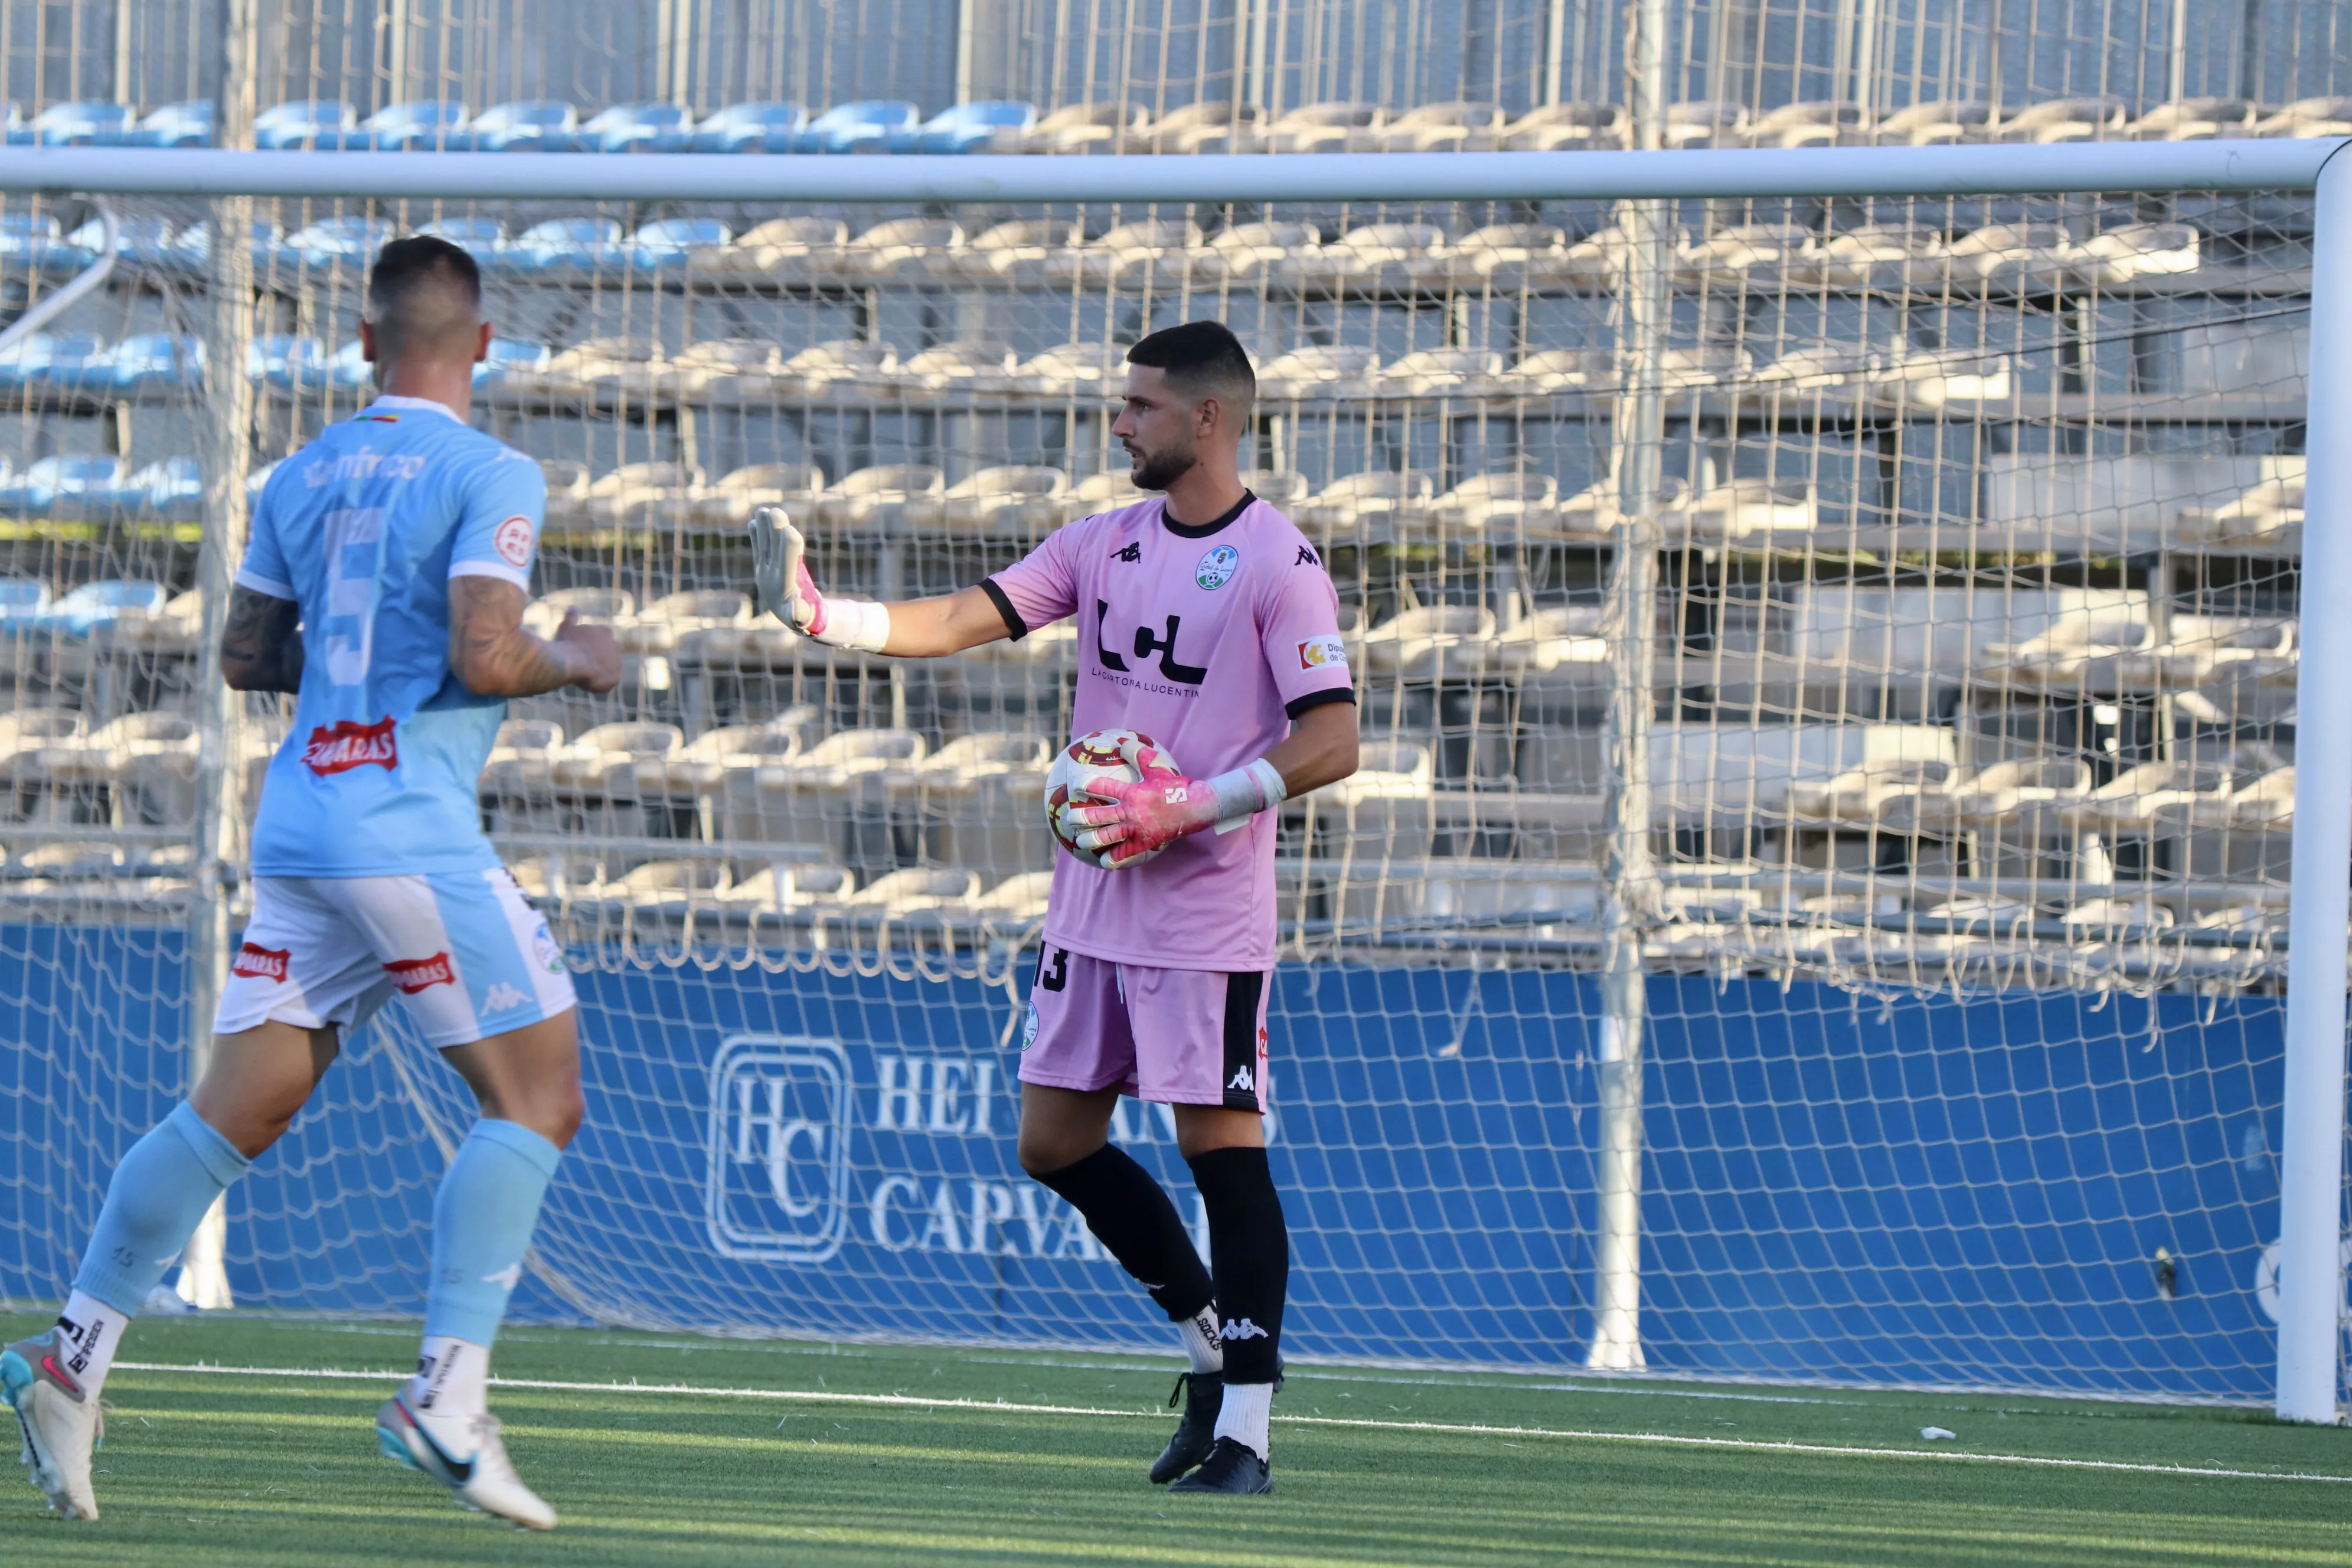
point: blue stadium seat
(184, 124)
(305, 123)
(64, 486)
(336, 242)
(665, 242)
(285, 360)
(140, 241)
(638, 128)
(507, 356)
(21, 598)
(89, 123)
(24, 362)
(347, 369)
(536, 126)
(158, 362)
(569, 242)
(990, 126)
(27, 238)
(485, 239)
(193, 244)
(173, 490)
(78, 363)
(19, 133)
(751, 128)
(425, 125)
(94, 603)
(866, 126)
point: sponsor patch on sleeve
(514, 541)
(1322, 653)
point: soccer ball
(1098, 753)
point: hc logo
(779, 1187)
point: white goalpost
(1697, 845)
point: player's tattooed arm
(261, 647)
(492, 654)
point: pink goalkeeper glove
(1163, 806)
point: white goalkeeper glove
(789, 594)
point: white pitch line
(1664, 1439)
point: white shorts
(464, 950)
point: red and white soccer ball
(1098, 753)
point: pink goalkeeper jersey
(1210, 639)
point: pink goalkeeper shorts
(1180, 1036)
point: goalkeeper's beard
(1158, 470)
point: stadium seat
(1497, 503)
(1814, 122)
(1376, 255)
(843, 365)
(1856, 795)
(1251, 250)
(1102, 492)
(1565, 370)
(1088, 368)
(544, 614)
(567, 244)
(976, 801)
(2195, 120)
(1743, 509)
(2064, 120)
(866, 126)
(2310, 117)
(736, 369)
(1434, 642)
(153, 363)
(656, 628)
(1023, 252)
(25, 733)
(171, 491)
(1507, 256)
(1873, 256)
(2082, 648)
(991, 126)
(902, 245)
(879, 495)
(1567, 127)
(1380, 499)
(1284, 488)
(2137, 250)
(751, 128)
(1560, 648)
(978, 366)
(1318, 370)
(1935, 123)
(84, 123)
(797, 487)
(567, 492)
(508, 361)
(310, 122)
(671, 243)
(1020, 898)
(636, 127)
(66, 488)
(811, 799)
(641, 494)
(784, 248)
(1386, 820)
(185, 124)
(423, 125)
(1322, 127)
(140, 768)
(920, 887)
(1458, 126)
(2132, 800)
(538, 126)
(1019, 498)
(1446, 373)
(1706, 124)
(1727, 256)
(1089, 128)
(661, 888)
(1218, 125)
(599, 363)
(2205, 648)
(788, 887)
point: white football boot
(486, 1480)
(63, 1425)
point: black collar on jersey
(1202, 530)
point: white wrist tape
(1244, 792)
(859, 624)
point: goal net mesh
(1971, 761)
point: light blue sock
(482, 1220)
(153, 1204)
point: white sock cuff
(1198, 1333)
(1245, 1415)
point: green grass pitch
(730, 1452)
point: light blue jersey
(364, 528)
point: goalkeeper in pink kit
(1207, 622)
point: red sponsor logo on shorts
(257, 963)
(413, 974)
(340, 747)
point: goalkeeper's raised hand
(788, 592)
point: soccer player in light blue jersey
(384, 585)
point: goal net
(1967, 604)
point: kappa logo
(340, 747)
(506, 1278)
(255, 962)
(1131, 554)
(1244, 1080)
(415, 974)
(502, 997)
(1307, 557)
(1242, 1329)
(514, 541)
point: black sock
(1131, 1216)
(1249, 1247)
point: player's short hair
(1202, 359)
(424, 293)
